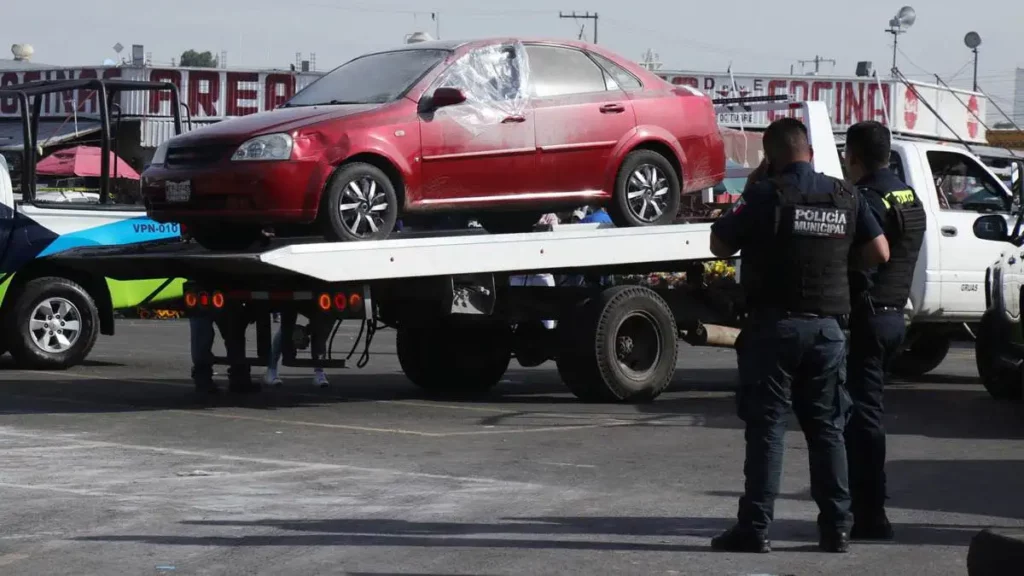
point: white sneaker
(320, 380)
(270, 378)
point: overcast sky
(687, 35)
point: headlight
(160, 156)
(268, 147)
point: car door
(581, 114)
(964, 189)
(482, 150)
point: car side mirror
(992, 227)
(441, 98)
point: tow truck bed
(565, 248)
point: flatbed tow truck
(459, 319)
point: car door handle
(513, 120)
(612, 108)
(949, 231)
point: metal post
(975, 50)
(104, 96)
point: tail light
(218, 300)
(191, 300)
(355, 301)
(204, 299)
(325, 302)
(340, 302)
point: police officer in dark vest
(798, 230)
(877, 328)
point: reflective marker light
(325, 302)
(190, 299)
(204, 299)
(218, 300)
(355, 300)
(340, 302)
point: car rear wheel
(647, 191)
(361, 204)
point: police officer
(878, 296)
(797, 230)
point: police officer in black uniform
(877, 329)
(798, 230)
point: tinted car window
(623, 78)
(372, 79)
(558, 71)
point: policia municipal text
(877, 327)
(800, 232)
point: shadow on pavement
(557, 533)
(972, 487)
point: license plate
(178, 191)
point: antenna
(817, 63)
(899, 24)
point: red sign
(850, 100)
(972, 116)
(208, 93)
(910, 101)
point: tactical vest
(809, 260)
(905, 225)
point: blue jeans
(201, 336)
(874, 339)
(798, 363)
(319, 332)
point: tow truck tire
(624, 211)
(619, 346)
(58, 303)
(924, 355)
(343, 204)
(454, 356)
(996, 552)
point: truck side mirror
(992, 227)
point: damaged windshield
(373, 79)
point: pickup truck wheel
(1001, 380)
(647, 191)
(924, 354)
(361, 204)
(619, 346)
(509, 222)
(456, 357)
(53, 324)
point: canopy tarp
(83, 161)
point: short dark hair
(870, 143)
(785, 139)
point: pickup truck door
(963, 188)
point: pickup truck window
(962, 184)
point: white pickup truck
(947, 295)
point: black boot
(742, 539)
(834, 541)
(203, 381)
(872, 527)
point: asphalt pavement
(115, 467)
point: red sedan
(502, 129)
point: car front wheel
(646, 191)
(361, 204)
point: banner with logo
(851, 100)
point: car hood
(238, 129)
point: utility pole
(817, 63)
(585, 16)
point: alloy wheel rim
(647, 193)
(364, 207)
(55, 325)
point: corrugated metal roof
(50, 132)
(156, 131)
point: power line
(585, 16)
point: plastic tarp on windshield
(494, 80)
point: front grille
(196, 155)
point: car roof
(452, 45)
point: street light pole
(972, 40)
